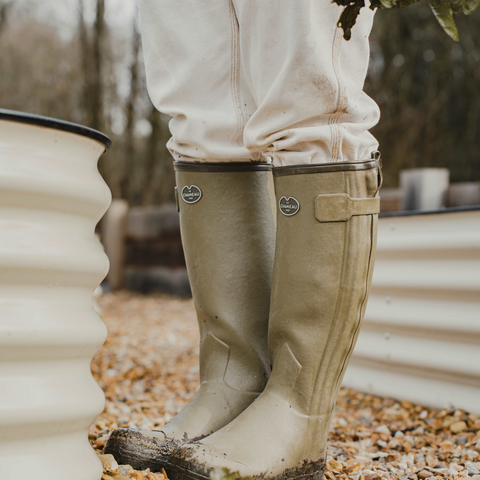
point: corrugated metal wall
(421, 336)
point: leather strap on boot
(341, 207)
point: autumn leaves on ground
(148, 369)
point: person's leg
(324, 256)
(312, 118)
(227, 222)
(307, 81)
(192, 58)
(226, 204)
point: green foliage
(442, 9)
(226, 474)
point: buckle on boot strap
(340, 207)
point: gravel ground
(148, 369)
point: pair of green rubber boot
(280, 268)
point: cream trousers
(254, 80)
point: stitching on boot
(338, 301)
(290, 370)
(214, 370)
(364, 301)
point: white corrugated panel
(51, 198)
(420, 339)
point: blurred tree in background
(428, 90)
(92, 73)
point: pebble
(424, 474)
(100, 442)
(383, 429)
(472, 470)
(109, 463)
(457, 427)
(147, 378)
(367, 472)
(125, 470)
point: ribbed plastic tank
(51, 198)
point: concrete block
(159, 280)
(149, 223)
(163, 253)
(463, 194)
(424, 188)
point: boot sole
(132, 448)
(185, 470)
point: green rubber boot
(325, 249)
(227, 222)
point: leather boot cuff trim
(324, 168)
(222, 167)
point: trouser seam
(234, 74)
(342, 98)
(234, 82)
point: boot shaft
(325, 243)
(326, 238)
(227, 223)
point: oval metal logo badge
(191, 194)
(289, 206)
